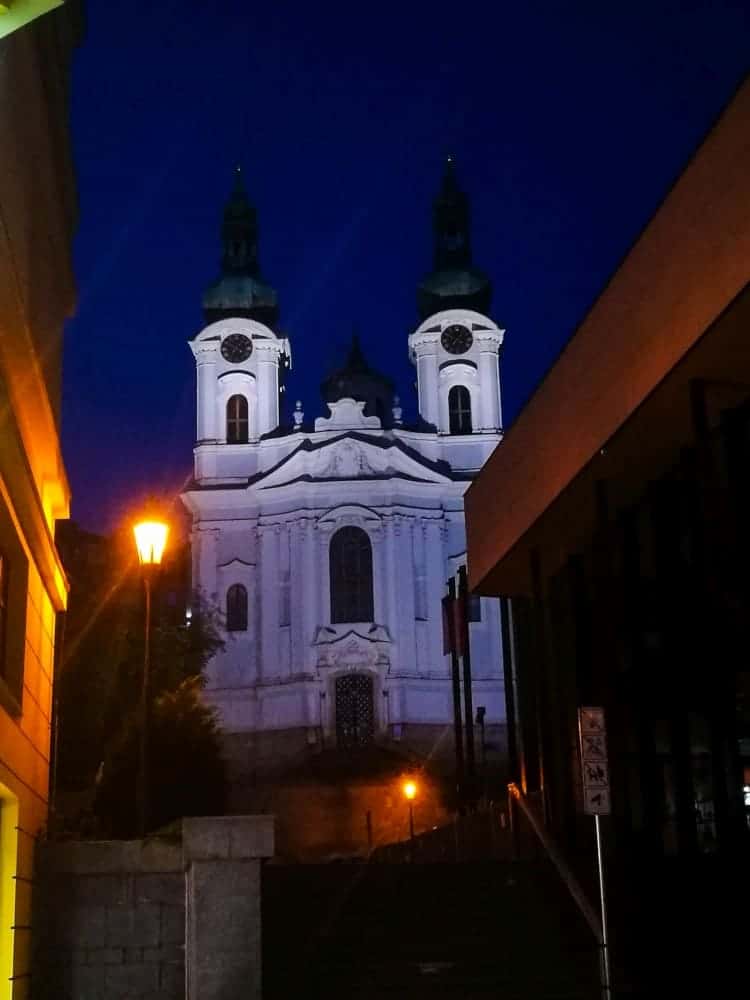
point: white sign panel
(592, 735)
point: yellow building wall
(37, 294)
(24, 787)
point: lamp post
(150, 540)
(410, 793)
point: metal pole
(471, 772)
(143, 789)
(458, 735)
(411, 821)
(605, 971)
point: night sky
(568, 122)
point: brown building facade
(621, 546)
(37, 214)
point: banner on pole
(592, 735)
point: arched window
(237, 425)
(237, 608)
(351, 576)
(459, 410)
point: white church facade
(327, 545)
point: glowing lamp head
(151, 540)
(410, 790)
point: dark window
(237, 426)
(351, 576)
(475, 608)
(355, 715)
(459, 410)
(236, 608)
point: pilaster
(269, 600)
(392, 603)
(435, 584)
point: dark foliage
(186, 772)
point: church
(327, 548)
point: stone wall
(159, 919)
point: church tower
(240, 356)
(456, 347)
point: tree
(186, 773)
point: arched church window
(237, 608)
(237, 422)
(351, 576)
(459, 410)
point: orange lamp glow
(410, 790)
(151, 540)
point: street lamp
(410, 793)
(150, 541)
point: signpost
(592, 735)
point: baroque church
(327, 550)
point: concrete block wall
(158, 919)
(110, 921)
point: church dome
(357, 380)
(240, 295)
(454, 288)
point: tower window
(237, 422)
(459, 410)
(351, 576)
(237, 608)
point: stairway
(477, 929)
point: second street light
(150, 540)
(410, 793)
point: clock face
(456, 339)
(236, 347)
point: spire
(453, 283)
(239, 231)
(356, 363)
(240, 290)
(451, 222)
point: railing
(516, 797)
(553, 853)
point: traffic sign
(592, 734)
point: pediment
(352, 457)
(352, 647)
(350, 636)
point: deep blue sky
(569, 122)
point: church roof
(355, 366)
(357, 379)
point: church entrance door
(355, 714)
